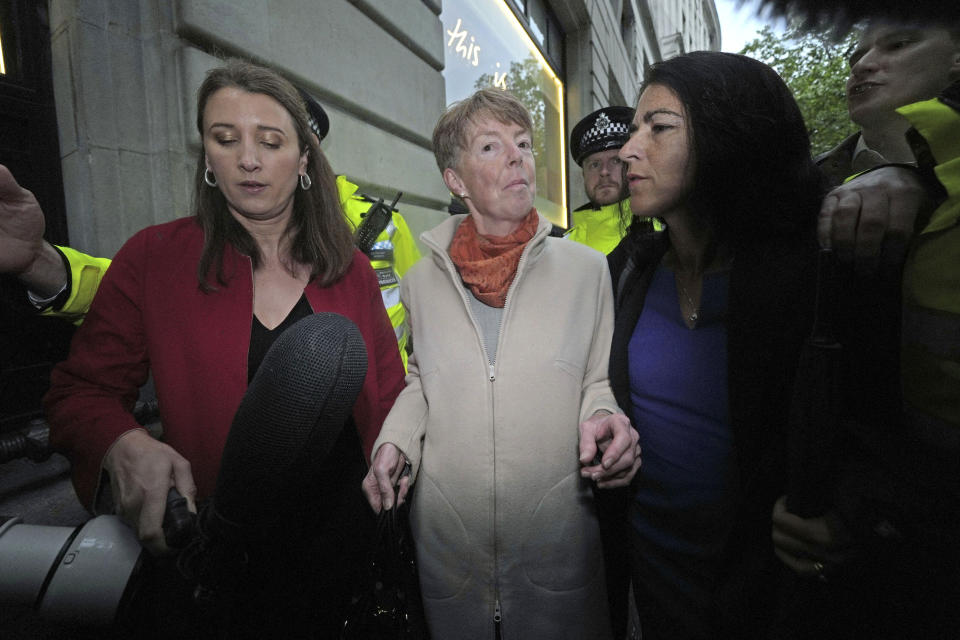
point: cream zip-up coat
(504, 526)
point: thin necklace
(694, 315)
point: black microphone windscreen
(291, 415)
(842, 15)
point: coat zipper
(497, 612)
(491, 368)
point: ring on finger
(820, 571)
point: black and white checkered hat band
(607, 128)
(603, 131)
(313, 125)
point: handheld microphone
(291, 415)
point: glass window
(537, 14)
(8, 40)
(555, 43)
(485, 46)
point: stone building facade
(125, 74)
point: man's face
(894, 65)
(603, 177)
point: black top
(261, 338)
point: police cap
(606, 128)
(318, 120)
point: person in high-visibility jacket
(595, 143)
(886, 547)
(391, 255)
(894, 64)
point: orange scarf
(487, 264)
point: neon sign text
(469, 52)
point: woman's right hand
(384, 474)
(142, 470)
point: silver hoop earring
(210, 178)
(463, 196)
(305, 181)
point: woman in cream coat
(507, 416)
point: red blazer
(150, 315)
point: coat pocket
(562, 550)
(574, 369)
(444, 551)
(571, 358)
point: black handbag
(388, 604)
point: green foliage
(523, 81)
(815, 68)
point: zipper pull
(492, 377)
(496, 612)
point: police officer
(595, 143)
(894, 64)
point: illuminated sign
(500, 78)
(470, 53)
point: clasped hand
(615, 441)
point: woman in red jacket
(198, 301)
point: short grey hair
(450, 134)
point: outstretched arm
(23, 251)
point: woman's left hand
(614, 438)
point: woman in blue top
(711, 314)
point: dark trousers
(661, 617)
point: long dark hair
(319, 234)
(753, 176)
